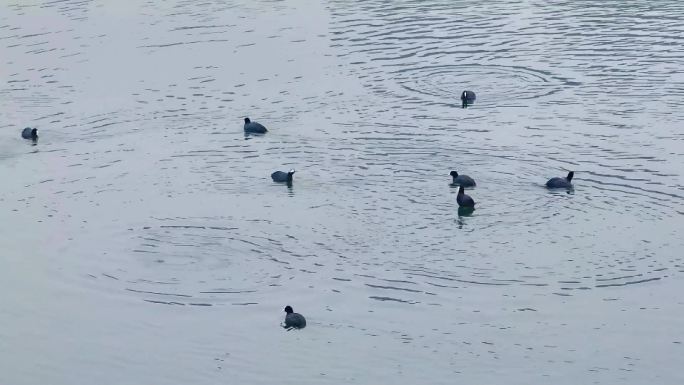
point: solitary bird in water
(561, 182)
(467, 97)
(254, 127)
(462, 180)
(30, 133)
(464, 200)
(293, 320)
(282, 176)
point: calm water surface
(144, 242)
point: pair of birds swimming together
(463, 181)
(251, 127)
(258, 128)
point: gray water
(143, 242)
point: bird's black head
(34, 133)
(288, 309)
(461, 190)
(454, 174)
(247, 120)
(570, 175)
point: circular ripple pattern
(494, 84)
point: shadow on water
(558, 191)
(250, 135)
(465, 211)
(289, 185)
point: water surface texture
(143, 241)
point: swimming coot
(294, 320)
(561, 182)
(467, 98)
(30, 133)
(462, 180)
(254, 127)
(463, 199)
(282, 176)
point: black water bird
(282, 176)
(462, 180)
(254, 127)
(293, 320)
(464, 200)
(30, 133)
(467, 98)
(561, 182)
